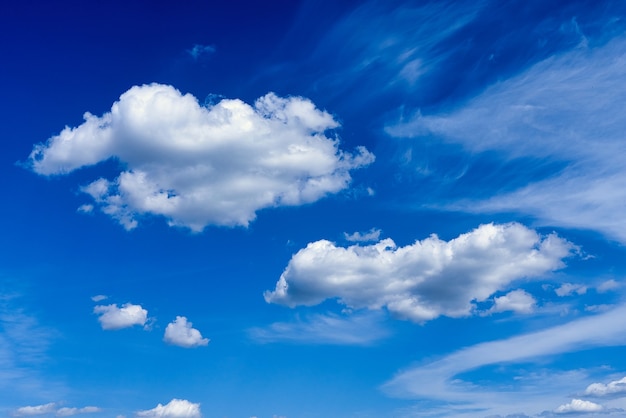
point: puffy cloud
(66, 412)
(181, 333)
(607, 286)
(424, 280)
(357, 329)
(567, 289)
(616, 387)
(200, 166)
(517, 301)
(177, 408)
(372, 235)
(36, 410)
(112, 318)
(578, 406)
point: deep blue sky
(312, 209)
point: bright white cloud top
(113, 317)
(36, 410)
(616, 387)
(424, 280)
(578, 405)
(200, 166)
(176, 408)
(516, 301)
(181, 333)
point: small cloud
(181, 333)
(372, 235)
(567, 289)
(578, 406)
(35, 410)
(177, 408)
(357, 329)
(86, 208)
(615, 387)
(517, 301)
(113, 318)
(99, 298)
(608, 286)
(201, 51)
(66, 412)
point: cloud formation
(199, 166)
(564, 110)
(357, 329)
(176, 408)
(616, 387)
(517, 301)
(369, 236)
(66, 412)
(181, 333)
(424, 280)
(578, 405)
(439, 379)
(112, 317)
(36, 410)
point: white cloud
(85, 208)
(66, 412)
(99, 298)
(200, 166)
(177, 408)
(607, 286)
(371, 235)
(356, 329)
(616, 387)
(181, 333)
(438, 379)
(567, 289)
(36, 410)
(578, 405)
(113, 318)
(424, 280)
(566, 110)
(517, 301)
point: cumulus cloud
(578, 406)
(36, 410)
(357, 329)
(177, 408)
(112, 317)
(371, 235)
(181, 333)
(607, 286)
(616, 387)
(517, 301)
(567, 289)
(66, 412)
(424, 280)
(199, 166)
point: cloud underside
(424, 280)
(200, 166)
(181, 333)
(565, 110)
(176, 408)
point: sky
(313, 209)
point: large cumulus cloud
(199, 166)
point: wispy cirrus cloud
(564, 110)
(331, 329)
(440, 380)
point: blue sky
(313, 209)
